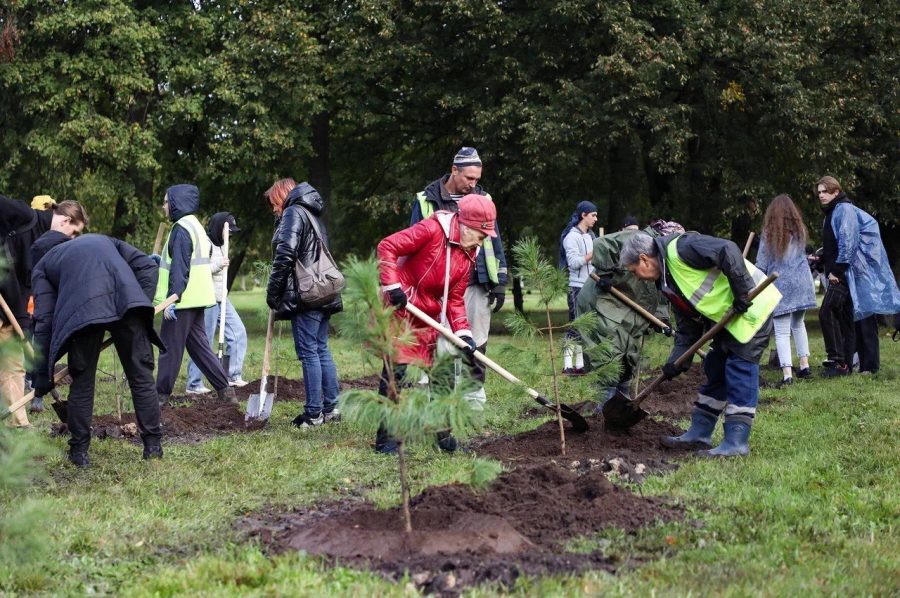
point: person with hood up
(703, 277)
(185, 270)
(21, 226)
(617, 323)
(575, 245)
(235, 332)
(860, 282)
(82, 289)
(297, 233)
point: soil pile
(462, 537)
(293, 390)
(674, 399)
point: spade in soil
(259, 406)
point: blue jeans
(732, 385)
(320, 378)
(235, 342)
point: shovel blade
(579, 424)
(259, 407)
(62, 410)
(620, 413)
(225, 360)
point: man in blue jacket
(860, 282)
(82, 289)
(487, 287)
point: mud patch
(183, 423)
(518, 526)
(289, 389)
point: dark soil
(293, 390)
(463, 537)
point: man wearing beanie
(430, 264)
(486, 290)
(575, 247)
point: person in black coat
(298, 208)
(82, 289)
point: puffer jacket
(295, 240)
(415, 260)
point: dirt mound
(186, 423)
(293, 390)
(462, 537)
(628, 450)
(674, 399)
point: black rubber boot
(227, 394)
(79, 459)
(37, 405)
(163, 399)
(153, 451)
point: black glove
(741, 304)
(397, 297)
(469, 351)
(670, 370)
(497, 297)
(664, 330)
(604, 284)
(42, 384)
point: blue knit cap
(466, 156)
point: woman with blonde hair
(783, 249)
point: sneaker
(153, 452)
(332, 416)
(79, 459)
(579, 372)
(199, 390)
(804, 373)
(569, 372)
(785, 382)
(238, 382)
(305, 422)
(37, 405)
(836, 371)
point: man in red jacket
(429, 264)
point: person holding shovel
(235, 332)
(617, 323)
(702, 277)
(185, 271)
(82, 289)
(430, 264)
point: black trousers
(836, 317)
(187, 332)
(129, 336)
(867, 344)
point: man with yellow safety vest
(184, 270)
(702, 277)
(486, 291)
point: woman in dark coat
(298, 208)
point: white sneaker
(200, 390)
(332, 416)
(238, 382)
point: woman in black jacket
(297, 208)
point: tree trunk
(562, 430)
(404, 488)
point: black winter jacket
(295, 240)
(183, 201)
(705, 253)
(20, 226)
(93, 279)
(829, 262)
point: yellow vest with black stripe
(490, 260)
(710, 294)
(200, 291)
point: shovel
(61, 407)
(223, 359)
(621, 413)
(579, 424)
(15, 324)
(259, 406)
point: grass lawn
(814, 509)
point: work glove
(604, 284)
(665, 329)
(42, 384)
(156, 258)
(497, 297)
(469, 352)
(670, 370)
(169, 313)
(397, 298)
(741, 304)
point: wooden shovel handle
(749, 243)
(65, 371)
(687, 355)
(634, 305)
(461, 344)
(157, 245)
(15, 324)
(225, 233)
(270, 329)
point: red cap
(478, 212)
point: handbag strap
(446, 284)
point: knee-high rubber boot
(699, 435)
(736, 441)
(384, 443)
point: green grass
(814, 509)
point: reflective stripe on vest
(710, 293)
(490, 260)
(200, 291)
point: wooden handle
(65, 371)
(157, 245)
(270, 329)
(684, 357)
(225, 232)
(749, 243)
(15, 324)
(633, 305)
(460, 343)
